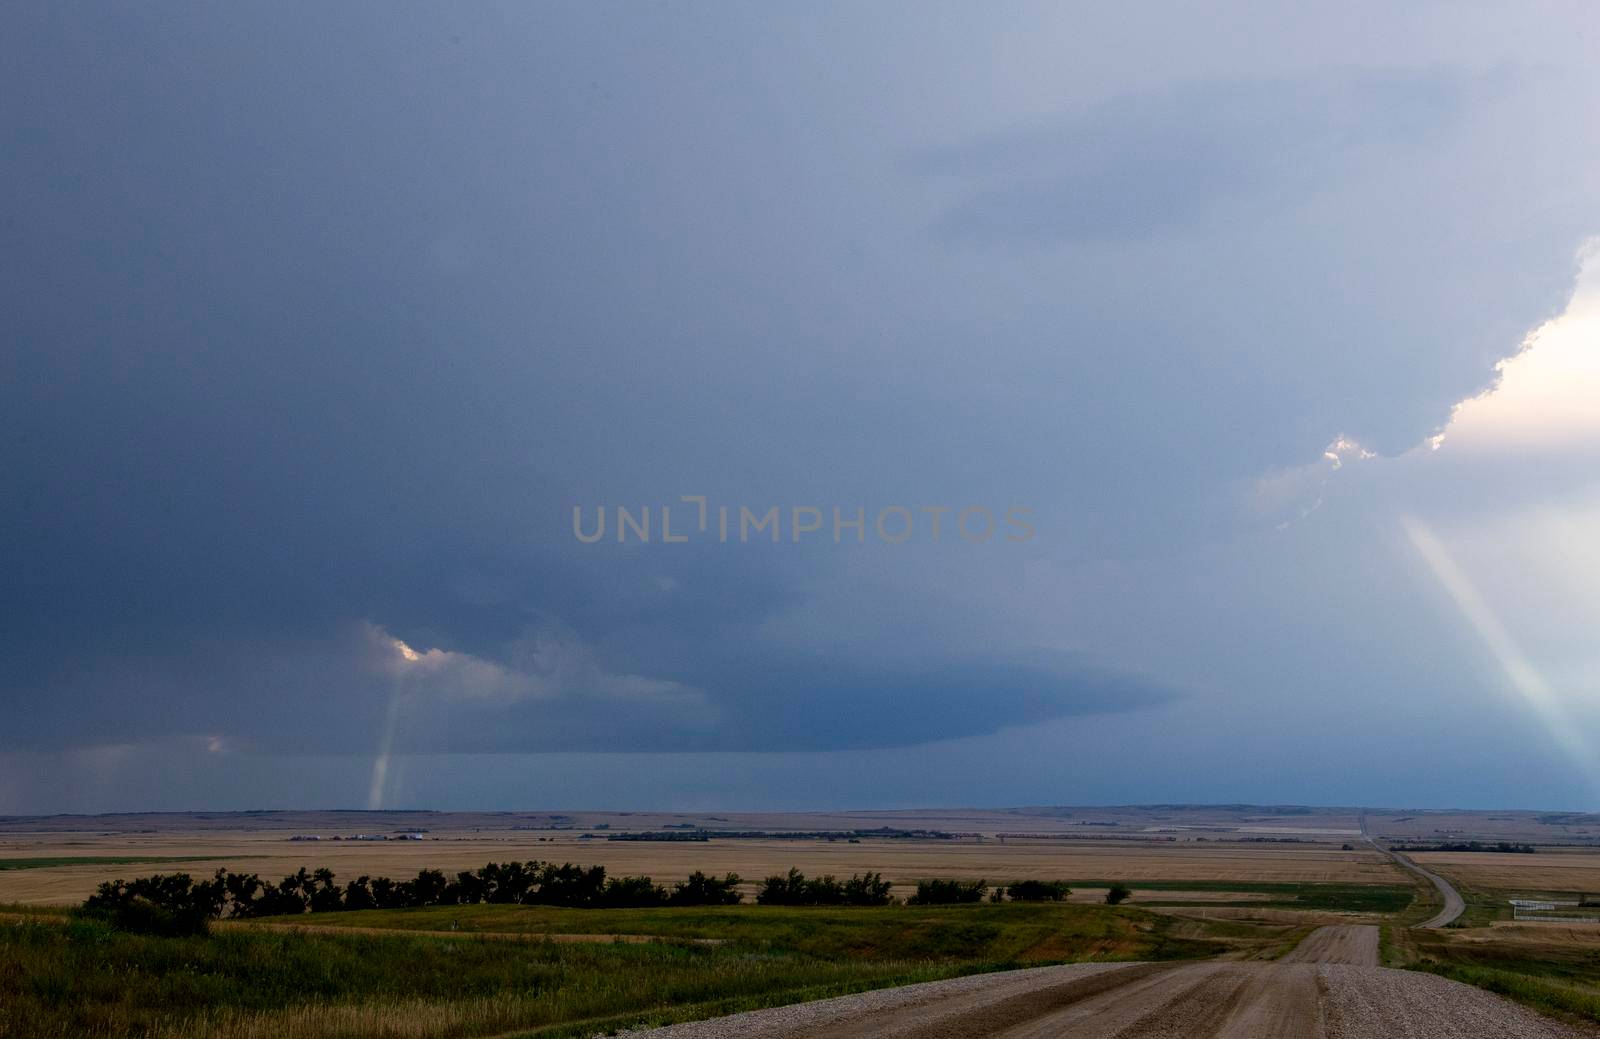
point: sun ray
(1519, 671)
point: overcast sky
(1279, 331)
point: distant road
(1328, 988)
(1454, 904)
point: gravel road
(1356, 946)
(1454, 905)
(1328, 988)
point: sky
(1160, 404)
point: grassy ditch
(78, 976)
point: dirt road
(1356, 946)
(1329, 988)
(1454, 904)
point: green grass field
(79, 977)
(1338, 898)
(1009, 932)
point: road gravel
(1328, 988)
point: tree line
(1503, 847)
(177, 903)
(796, 889)
(870, 889)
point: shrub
(358, 894)
(824, 891)
(948, 892)
(703, 890)
(784, 890)
(139, 915)
(287, 898)
(164, 904)
(632, 893)
(795, 889)
(1118, 893)
(324, 895)
(867, 889)
(1038, 890)
(569, 885)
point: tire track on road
(1329, 989)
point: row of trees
(948, 892)
(1038, 891)
(955, 892)
(1503, 847)
(870, 889)
(177, 903)
(796, 889)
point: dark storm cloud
(274, 376)
(364, 691)
(1143, 164)
(320, 320)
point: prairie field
(903, 862)
(1551, 870)
(1205, 883)
(397, 976)
(1542, 828)
(1552, 967)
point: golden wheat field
(1552, 869)
(902, 861)
(1128, 844)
